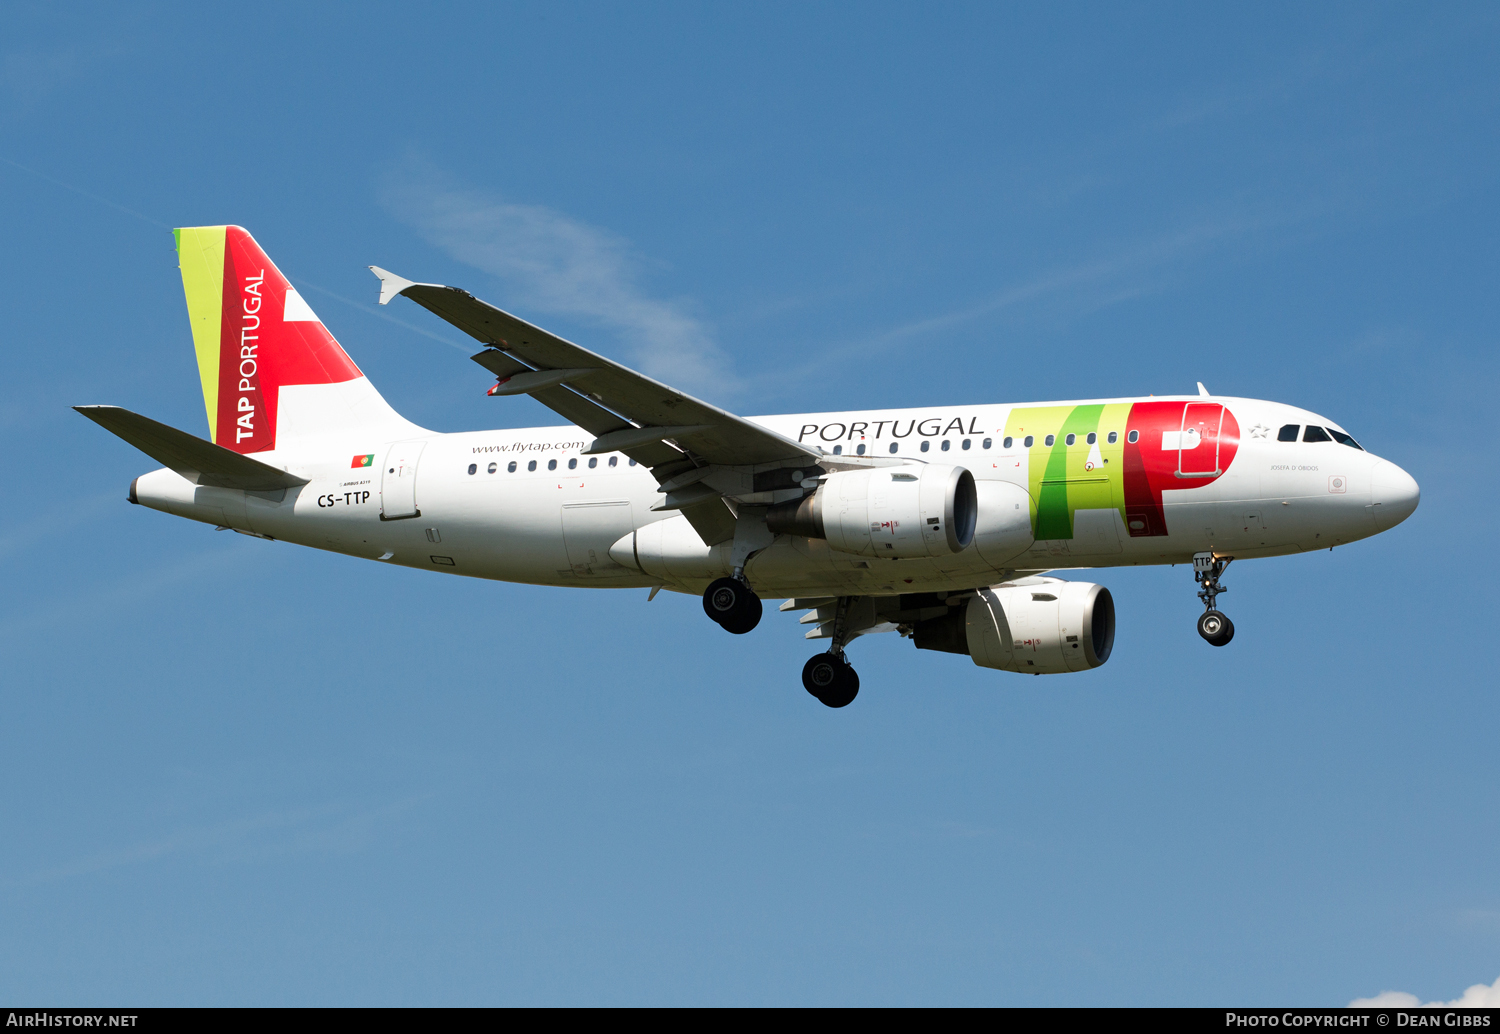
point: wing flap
(201, 462)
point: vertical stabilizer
(271, 371)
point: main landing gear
(1213, 626)
(733, 604)
(829, 676)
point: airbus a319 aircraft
(939, 524)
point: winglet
(391, 285)
(1201, 389)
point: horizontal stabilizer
(201, 462)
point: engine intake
(926, 510)
(1043, 627)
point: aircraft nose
(1394, 494)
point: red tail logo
(269, 339)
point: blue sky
(245, 772)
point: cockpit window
(1344, 439)
(1288, 432)
(1314, 433)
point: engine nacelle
(1043, 627)
(921, 510)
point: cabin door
(1198, 441)
(398, 482)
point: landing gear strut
(1213, 626)
(733, 604)
(829, 676)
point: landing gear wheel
(1215, 628)
(830, 678)
(733, 605)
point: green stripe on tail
(200, 256)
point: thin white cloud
(1479, 996)
(1080, 287)
(550, 263)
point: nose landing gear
(733, 604)
(1213, 626)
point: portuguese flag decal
(368, 459)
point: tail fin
(271, 372)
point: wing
(201, 462)
(667, 430)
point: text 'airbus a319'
(935, 523)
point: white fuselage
(535, 510)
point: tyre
(1215, 628)
(830, 679)
(845, 691)
(821, 674)
(733, 605)
(1227, 634)
(746, 618)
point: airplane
(942, 524)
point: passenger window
(551, 464)
(1029, 440)
(1007, 443)
(838, 450)
(966, 443)
(473, 467)
(946, 444)
(531, 465)
(1133, 437)
(1344, 439)
(632, 463)
(613, 460)
(1288, 432)
(494, 467)
(860, 450)
(987, 443)
(1314, 433)
(511, 467)
(593, 462)
(926, 446)
(1092, 438)
(573, 464)
(1071, 439)
(893, 448)
(1114, 436)
(1050, 439)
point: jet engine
(1042, 626)
(926, 510)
